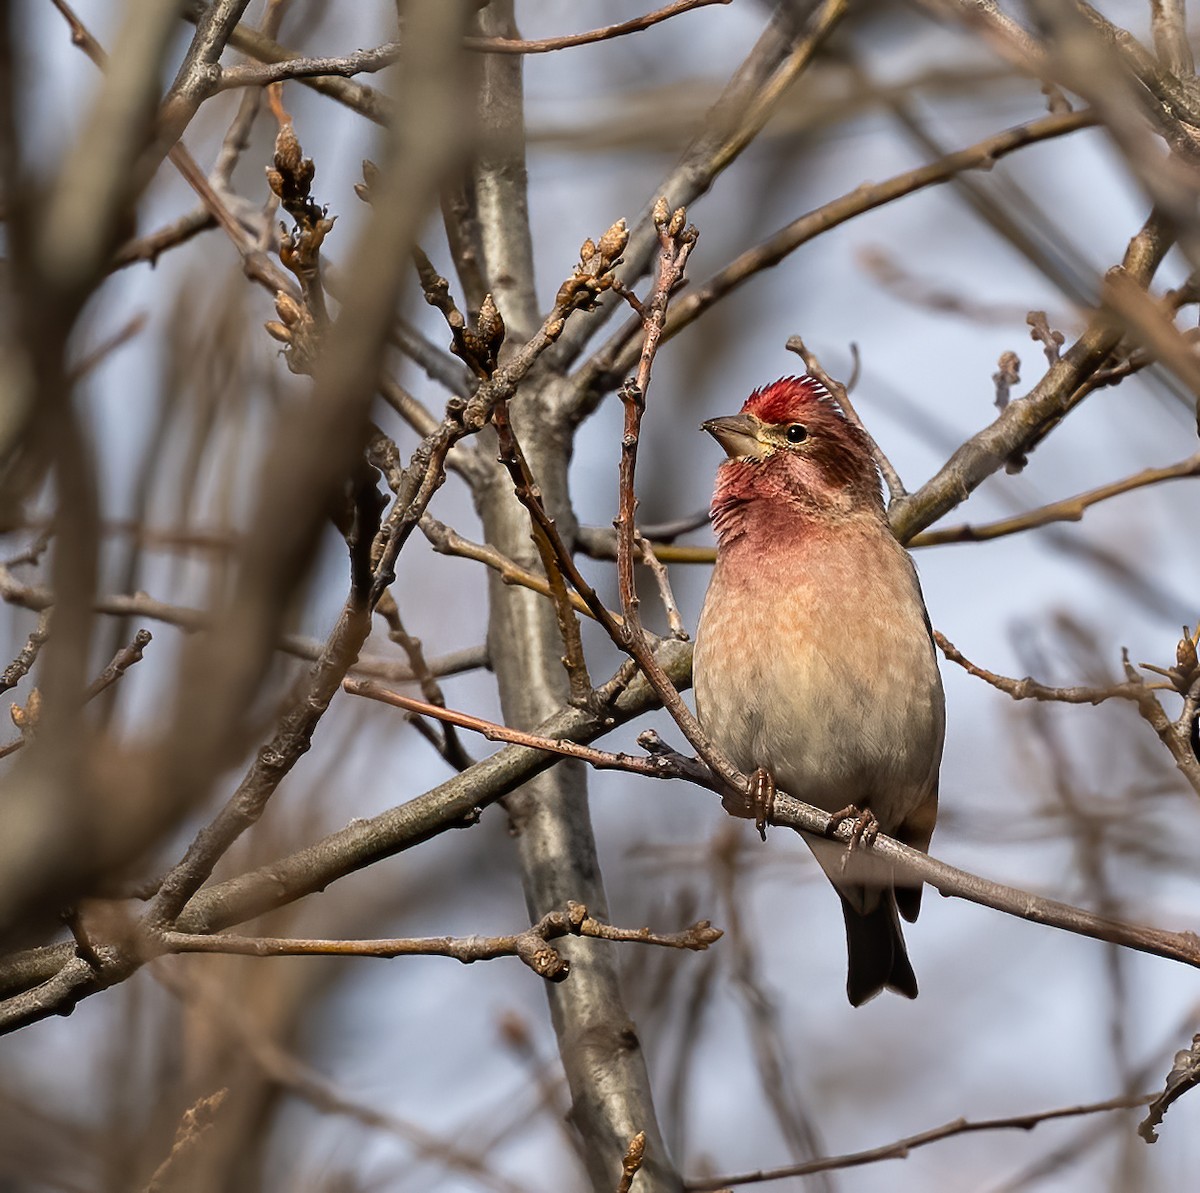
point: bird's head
(791, 450)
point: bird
(814, 660)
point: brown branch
(200, 991)
(547, 45)
(1022, 423)
(125, 658)
(675, 245)
(1030, 689)
(646, 554)
(449, 747)
(782, 53)
(1069, 509)
(551, 549)
(677, 238)
(197, 1120)
(617, 356)
(150, 247)
(445, 540)
(191, 621)
(531, 945)
(601, 543)
(662, 763)
(900, 1149)
(21, 665)
(381, 57)
(804, 818)
(1173, 734)
(26, 718)
(356, 96)
(360, 62)
(1184, 1076)
(427, 468)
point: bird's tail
(878, 958)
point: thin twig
(21, 665)
(447, 541)
(1030, 689)
(647, 556)
(531, 945)
(201, 991)
(122, 661)
(197, 1120)
(616, 356)
(125, 658)
(1069, 509)
(900, 1149)
(661, 764)
(450, 747)
(547, 45)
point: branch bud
(613, 242)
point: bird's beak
(738, 435)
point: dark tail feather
(878, 959)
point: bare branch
(547, 45)
(531, 945)
(1070, 509)
(901, 1148)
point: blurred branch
(796, 31)
(546, 45)
(31, 596)
(196, 1122)
(20, 666)
(368, 61)
(980, 156)
(901, 1148)
(306, 1083)
(456, 803)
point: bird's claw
(762, 799)
(758, 802)
(866, 827)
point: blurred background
(420, 1074)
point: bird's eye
(797, 433)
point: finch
(814, 656)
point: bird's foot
(762, 797)
(866, 827)
(758, 803)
